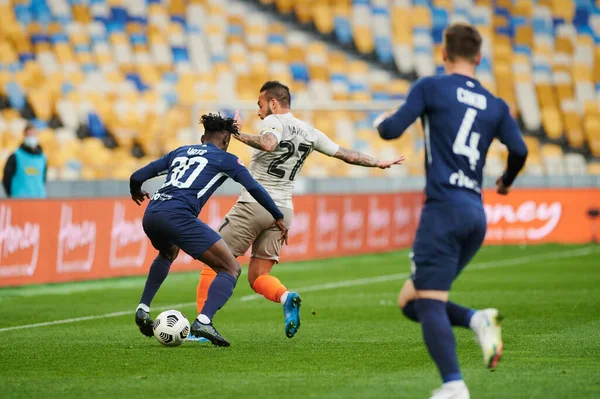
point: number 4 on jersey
(460, 146)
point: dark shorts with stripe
(165, 229)
(448, 237)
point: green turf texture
(353, 343)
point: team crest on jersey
(240, 162)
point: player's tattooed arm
(358, 158)
(264, 142)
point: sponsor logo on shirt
(459, 179)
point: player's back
(194, 173)
(277, 170)
(460, 121)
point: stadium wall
(49, 241)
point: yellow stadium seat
(552, 123)
(504, 3)
(398, 87)
(582, 72)
(342, 7)
(445, 4)
(81, 14)
(590, 108)
(176, 7)
(323, 17)
(64, 53)
(363, 38)
(499, 21)
(41, 104)
(564, 9)
(34, 28)
(563, 45)
(551, 151)
(524, 35)
(421, 16)
(303, 9)
(592, 133)
(546, 96)
(285, 6)
(277, 52)
(533, 144)
(564, 91)
(594, 144)
(523, 8)
(594, 168)
(573, 129)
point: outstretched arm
(358, 158)
(153, 169)
(393, 126)
(264, 142)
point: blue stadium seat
(95, 125)
(66, 88)
(139, 84)
(119, 15)
(275, 39)
(383, 49)
(180, 55)
(59, 38)
(16, 96)
(170, 77)
(343, 30)
(39, 124)
(299, 72)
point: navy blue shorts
(165, 229)
(448, 237)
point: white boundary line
(400, 276)
(330, 286)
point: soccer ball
(171, 328)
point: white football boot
(452, 390)
(488, 334)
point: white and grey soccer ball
(171, 328)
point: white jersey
(277, 170)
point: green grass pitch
(353, 342)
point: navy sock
(438, 336)
(410, 311)
(459, 315)
(157, 274)
(219, 293)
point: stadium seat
(103, 67)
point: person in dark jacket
(25, 170)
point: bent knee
(170, 254)
(407, 294)
(232, 268)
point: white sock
(455, 384)
(284, 297)
(474, 320)
(203, 319)
(144, 307)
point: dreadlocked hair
(214, 123)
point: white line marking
(85, 318)
(399, 276)
(330, 286)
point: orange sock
(270, 287)
(206, 278)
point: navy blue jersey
(193, 173)
(460, 119)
